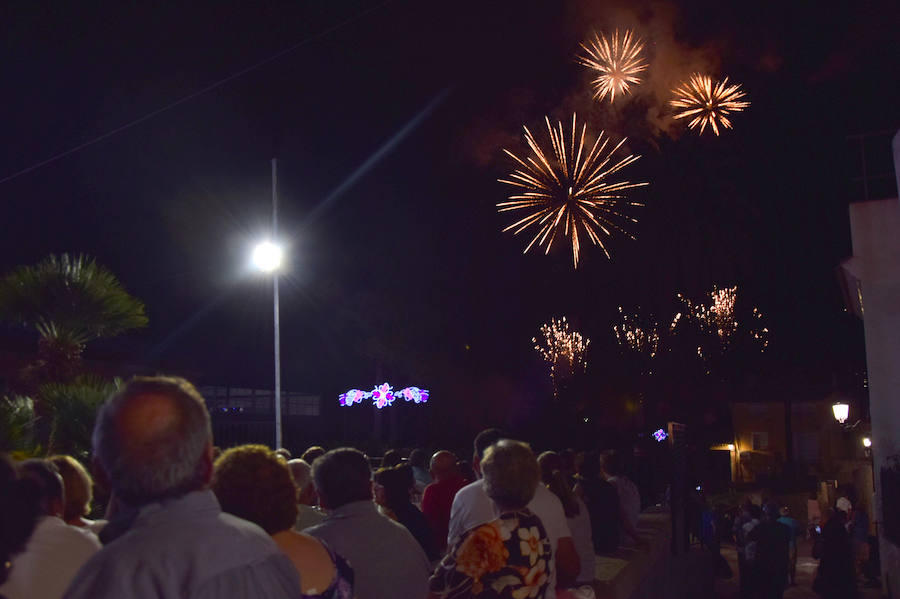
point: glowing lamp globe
(867, 442)
(267, 256)
(841, 412)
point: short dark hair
(46, 479)
(485, 439)
(418, 458)
(396, 482)
(309, 456)
(612, 464)
(19, 512)
(161, 465)
(254, 483)
(391, 458)
(341, 476)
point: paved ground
(806, 573)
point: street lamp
(841, 411)
(867, 442)
(267, 258)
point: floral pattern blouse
(508, 558)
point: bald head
(443, 465)
(153, 440)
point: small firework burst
(616, 63)
(563, 349)
(568, 193)
(706, 102)
(638, 334)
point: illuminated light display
(384, 395)
(660, 435)
(569, 192)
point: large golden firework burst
(616, 63)
(569, 193)
(707, 102)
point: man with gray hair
(388, 562)
(307, 512)
(153, 445)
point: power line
(195, 94)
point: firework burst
(568, 193)
(616, 63)
(706, 102)
(640, 335)
(563, 349)
(719, 319)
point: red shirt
(436, 503)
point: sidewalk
(806, 573)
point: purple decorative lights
(383, 395)
(660, 435)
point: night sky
(388, 121)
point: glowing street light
(267, 256)
(867, 442)
(841, 411)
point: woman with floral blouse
(509, 557)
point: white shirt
(53, 555)
(471, 507)
(580, 526)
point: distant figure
(418, 459)
(153, 443)
(307, 500)
(438, 496)
(254, 483)
(577, 515)
(392, 492)
(770, 564)
(387, 561)
(796, 530)
(835, 578)
(309, 456)
(629, 497)
(55, 551)
(602, 501)
(745, 522)
(509, 556)
(391, 458)
(79, 491)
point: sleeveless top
(342, 585)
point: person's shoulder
(545, 502)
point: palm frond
(74, 407)
(70, 298)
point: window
(760, 441)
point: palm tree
(69, 300)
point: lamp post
(267, 258)
(841, 411)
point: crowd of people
(184, 519)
